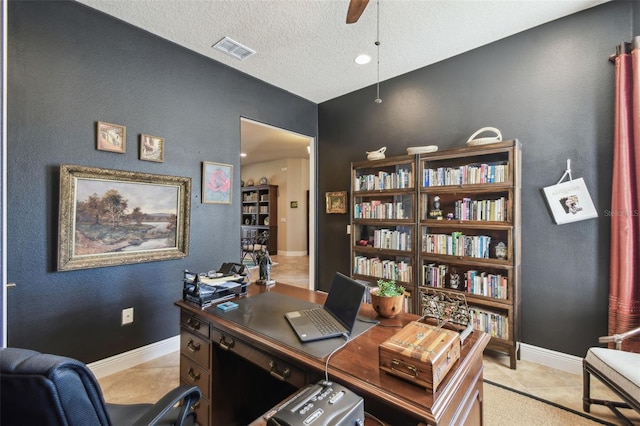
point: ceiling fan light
(363, 59)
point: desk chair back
(43, 389)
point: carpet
(504, 406)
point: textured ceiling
(306, 48)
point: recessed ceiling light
(243, 154)
(363, 59)
(233, 48)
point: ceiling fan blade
(356, 7)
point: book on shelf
(383, 268)
(481, 210)
(400, 179)
(468, 174)
(457, 244)
(493, 323)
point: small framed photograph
(216, 183)
(151, 148)
(336, 202)
(570, 201)
(111, 137)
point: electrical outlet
(127, 316)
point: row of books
(466, 175)
(472, 281)
(391, 239)
(490, 322)
(250, 196)
(387, 269)
(435, 275)
(249, 209)
(400, 179)
(457, 244)
(377, 209)
(483, 284)
(486, 210)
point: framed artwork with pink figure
(216, 183)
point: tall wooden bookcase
(383, 222)
(260, 213)
(459, 232)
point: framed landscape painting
(113, 217)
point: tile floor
(149, 381)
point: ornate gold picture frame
(113, 217)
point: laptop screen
(344, 299)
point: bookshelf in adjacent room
(260, 213)
(469, 231)
(383, 223)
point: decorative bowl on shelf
(422, 149)
(376, 155)
(485, 140)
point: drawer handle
(400, 366)
(193, 375)
(193, 324)
(226, 345)
(193, 347)
(274, 372)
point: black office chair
(42, 389)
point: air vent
(233, 48)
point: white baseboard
(134, 357)
(558, 360)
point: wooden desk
(242, 374)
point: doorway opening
(283, 158)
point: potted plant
(388, 298)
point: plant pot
(386, 306)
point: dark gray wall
(70, 66)
(550, 87)
(636, 19)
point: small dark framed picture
(111, 137)
(151, 148)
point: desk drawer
(195, 348)
(194, 324)
(279, 369)
(192, 374)
(201, 408)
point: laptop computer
(339, 311)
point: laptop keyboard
(323, 321)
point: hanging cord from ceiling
(378, 100)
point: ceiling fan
(356, 7)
